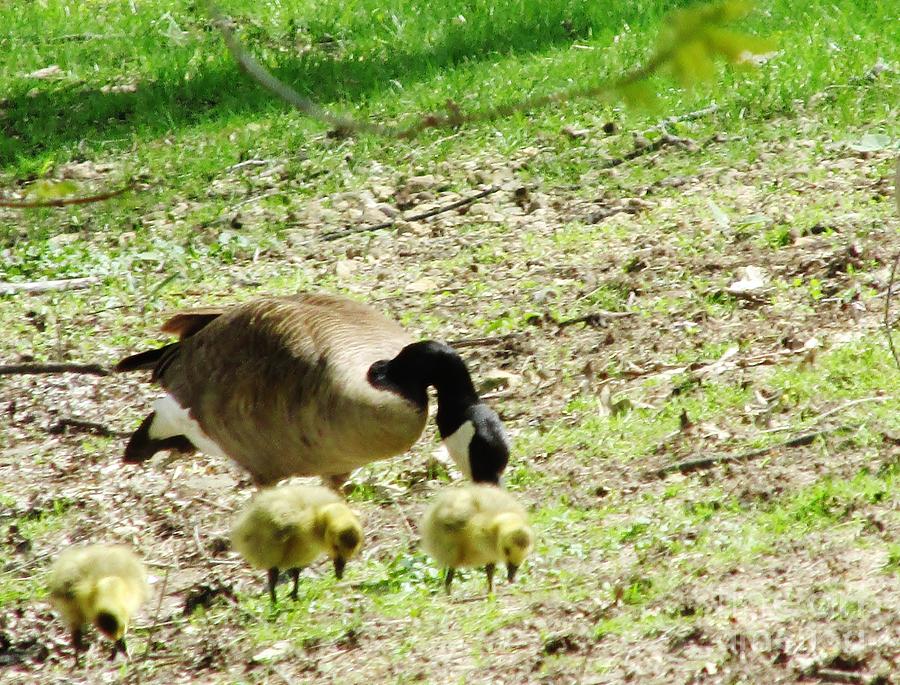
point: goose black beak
(339, 567)
(511, 572)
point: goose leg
(489, 571)
(295, 575)
(273, 581)
(448, 578)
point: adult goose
(310, 384)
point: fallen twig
(46, 286)
(154, 624)
(594, 318)
(835, 410)
(664, 140)
(887, 301)
(678, 118)
(84, 426)
(693, 465)
(64, 201)
(24, 369)
(334, 235)
(487, 340)
(831, 675)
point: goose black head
(472, 431)
(477, 443)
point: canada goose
(476, 525)
(289, 526)
(310, 384)
(99, 584)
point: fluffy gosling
(103, 585)
(477, 525)
(289, 526)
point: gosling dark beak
(339, 567)
(511, 572)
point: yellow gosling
(288, 527)
(477, 525)
(103, 585)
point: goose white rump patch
(173, 419)
(458, 447)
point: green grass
(172, 241)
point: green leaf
(872, 142)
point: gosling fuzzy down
(288, 527)
(477, 525)
(102, 585)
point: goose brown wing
(278, 382)
(186, 324)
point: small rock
(498, 378)
(345, 268)
(417, 184)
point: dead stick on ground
(34, 287)
(84, 426)
(836, 410)
(831, 675)
(334, 235)
(693, 465)
(887, 303)
(488, 340)
(594, 318)
(24, 369)
(64, 201)
(154, 623)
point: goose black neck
(429, 363)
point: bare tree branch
(454, 117)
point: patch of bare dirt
(772, 619)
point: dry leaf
(750, 279)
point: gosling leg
(119, 646)
(489, 571)
(295, 575)
(78, 644)
(273, 581)
(448, 578)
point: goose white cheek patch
(173, 419)
(458, 447)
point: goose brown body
(279, 385)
